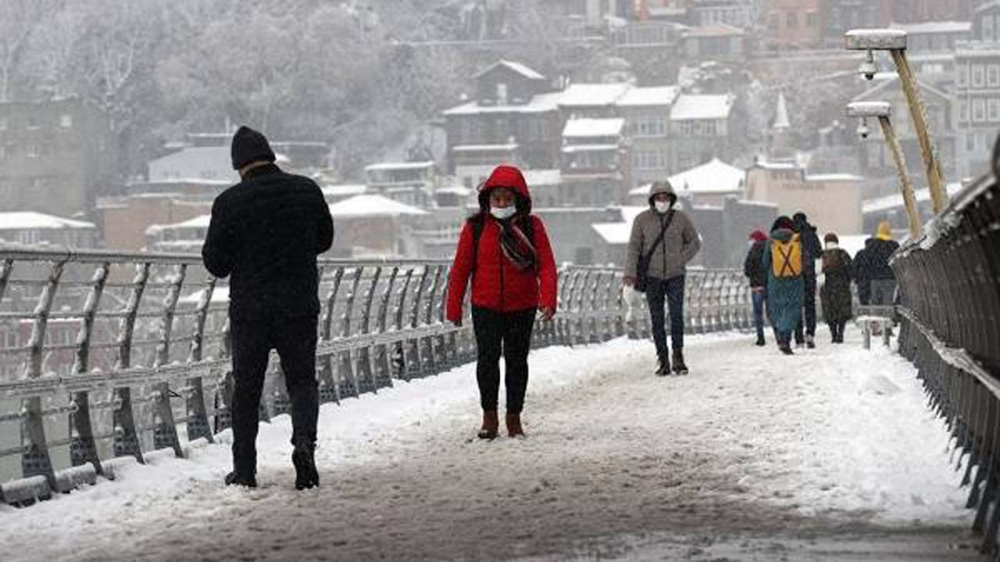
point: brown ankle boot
(514, 428)
(491, 425)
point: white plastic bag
(632, 301)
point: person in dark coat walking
(836, 292)
(668, 261)
(876, 280)
(753, 268)
(811, 251)
(505, 250)
(782, 261)
(265, 233)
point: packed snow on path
(750, 442)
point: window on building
(29, 236)
(32, 151)
(8, 339)
(963, 75)
(66, 121)
(650, 127)
(812, 19)
(993, 109)
(979, 110)
(501, 94)
(978, 76)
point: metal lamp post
(894, 41)
(883, 112)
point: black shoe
(305, 467)
(663, 367)
(679, 367)
(787, 350)
(760, 342)
(234, 479)
(810, 342)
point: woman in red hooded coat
(506, 252)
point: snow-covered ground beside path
(750, 442)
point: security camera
(863, 130)
(868, 68)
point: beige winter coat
(680, 244)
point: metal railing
(146, 364)
(949, 284)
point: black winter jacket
(811, 246)
(873, 262)
(753, 266)
(266, 232)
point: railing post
(346, 364)
(197, 416)
(432, 354)
(329, 390)
(35, 460)
(83, 448)
(126, 439)
(383, 352)
(399, 350)
(165, 430)
(365, 371)
(414, 364)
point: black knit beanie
(250, 146)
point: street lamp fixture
(883, 112)
(894, 41)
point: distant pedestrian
(836, 292)
(753, 268)
(266, 232)
(875, 278)
(506, 252)
(811, 250)
(782, 261)
(662, 243)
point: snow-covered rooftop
(343, 190)
(712, 177)
(542, 177)
(715, 30)
(590, 128)
(645, 97)
(23, 220)
(399, 166)
(506, 147)
(589, 148)
(515, 66)
(691, 107)
(834, 177)
(592, 95)
(936, 27)
(373, 206)
(895, 201)
(613, 232)
(540, 103)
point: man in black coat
(875, 278)
(266, 232)
(811, 251)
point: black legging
(509, 333)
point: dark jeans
(759, 299)
(672, 291)
(837, 330)
(509, 334)
(883, 291)
(253, 339)
(809, 306)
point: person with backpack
(836, 292)
(505, 251)
(805, 332)
(876, 280)
(662, 243)
(782, 261)
(753, 269)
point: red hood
(758, 236)
(510, 177)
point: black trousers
(808, 317)
(295, 341)
(837, 330)
(669, 292)
(509, 334)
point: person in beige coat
(667, 237)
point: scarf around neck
(515, 245)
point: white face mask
(503, 213)
(831, 246)
(662, 206)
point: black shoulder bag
(642, 268)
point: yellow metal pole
(939, 197)
(904, 179)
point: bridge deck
(829, 455)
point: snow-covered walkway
(828, 455)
